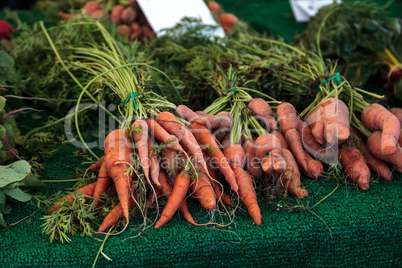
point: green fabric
(364, 227)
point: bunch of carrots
(132, 22)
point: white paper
(163, 14)
(303, 10)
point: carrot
(265, 143)
(91, 6)
(186, 113)
(227, 21)
(162, 135)
(86, 190)
(375, 148)
(248, 147)
(333, 114)
(97, 164)
(128, 15)
(140, 135)
(172, 125)
(201, 113)
(377, 117)
(136, 30)
(124, 30)
(221, 196)
(201, 189)
(274, 163)
(287, 117)
(207, 139)
(118, 154)
(247, 194)
(153, 163)
(398, 113)
(101, 184)
(178, 195)
(214, 7)
(327, 155)
(116, 213)
(314, 167)
(167, 191)
(318, 132)
(291, 178)
(236, 155)
(97, 14)
(294, 141)
(355, 166)
(376, 165)
(116, 14)
(163, 186)
(66, 16)
(222, 120)
(281, 138)
(263, 111)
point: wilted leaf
(18, 194)
(14, 172)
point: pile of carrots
(132, 22)
(189, 154)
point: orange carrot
(398, 113)
(203, 134)
(153, 163)
(128, 15)
(201, 189)
(177, 197)
(274, 163)
(124, 30)
(294, 141)
(136, 30)
(287, 117)
(333, 114)
(376, 165)
(86, 190)
(377, 117)
(265, 143)
(236, 155)
(186, 113)
(227, 21)
(66, 16)
(221, 196)
(173, 162)
(375, 148)
(327, 155)
(116, 14)
(140, 135)
(101, 184)
(172, 125)
(162, 135)
(281, 139)
(247, 194)
(355, 166)
(163, 186)
(116, 213)
(291, 178)
(261, 109)
(97, 164)
(214, 7)
(314, 167)
(91, 6)
(118, 154)
(97, 14)
(201, 113)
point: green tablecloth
(349, 228)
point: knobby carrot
(265, 143)
(291, 178)
(281, 138)
(97, 164)
(375, 148)
(295, 144)
(201, 189)
(332, 119)
(377, 117)
(355, 166)
(274, 163)
(287, 117)
(236, 155)
(398, 113)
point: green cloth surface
(349, 228)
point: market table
(347, 228)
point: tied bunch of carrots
(131, 21)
